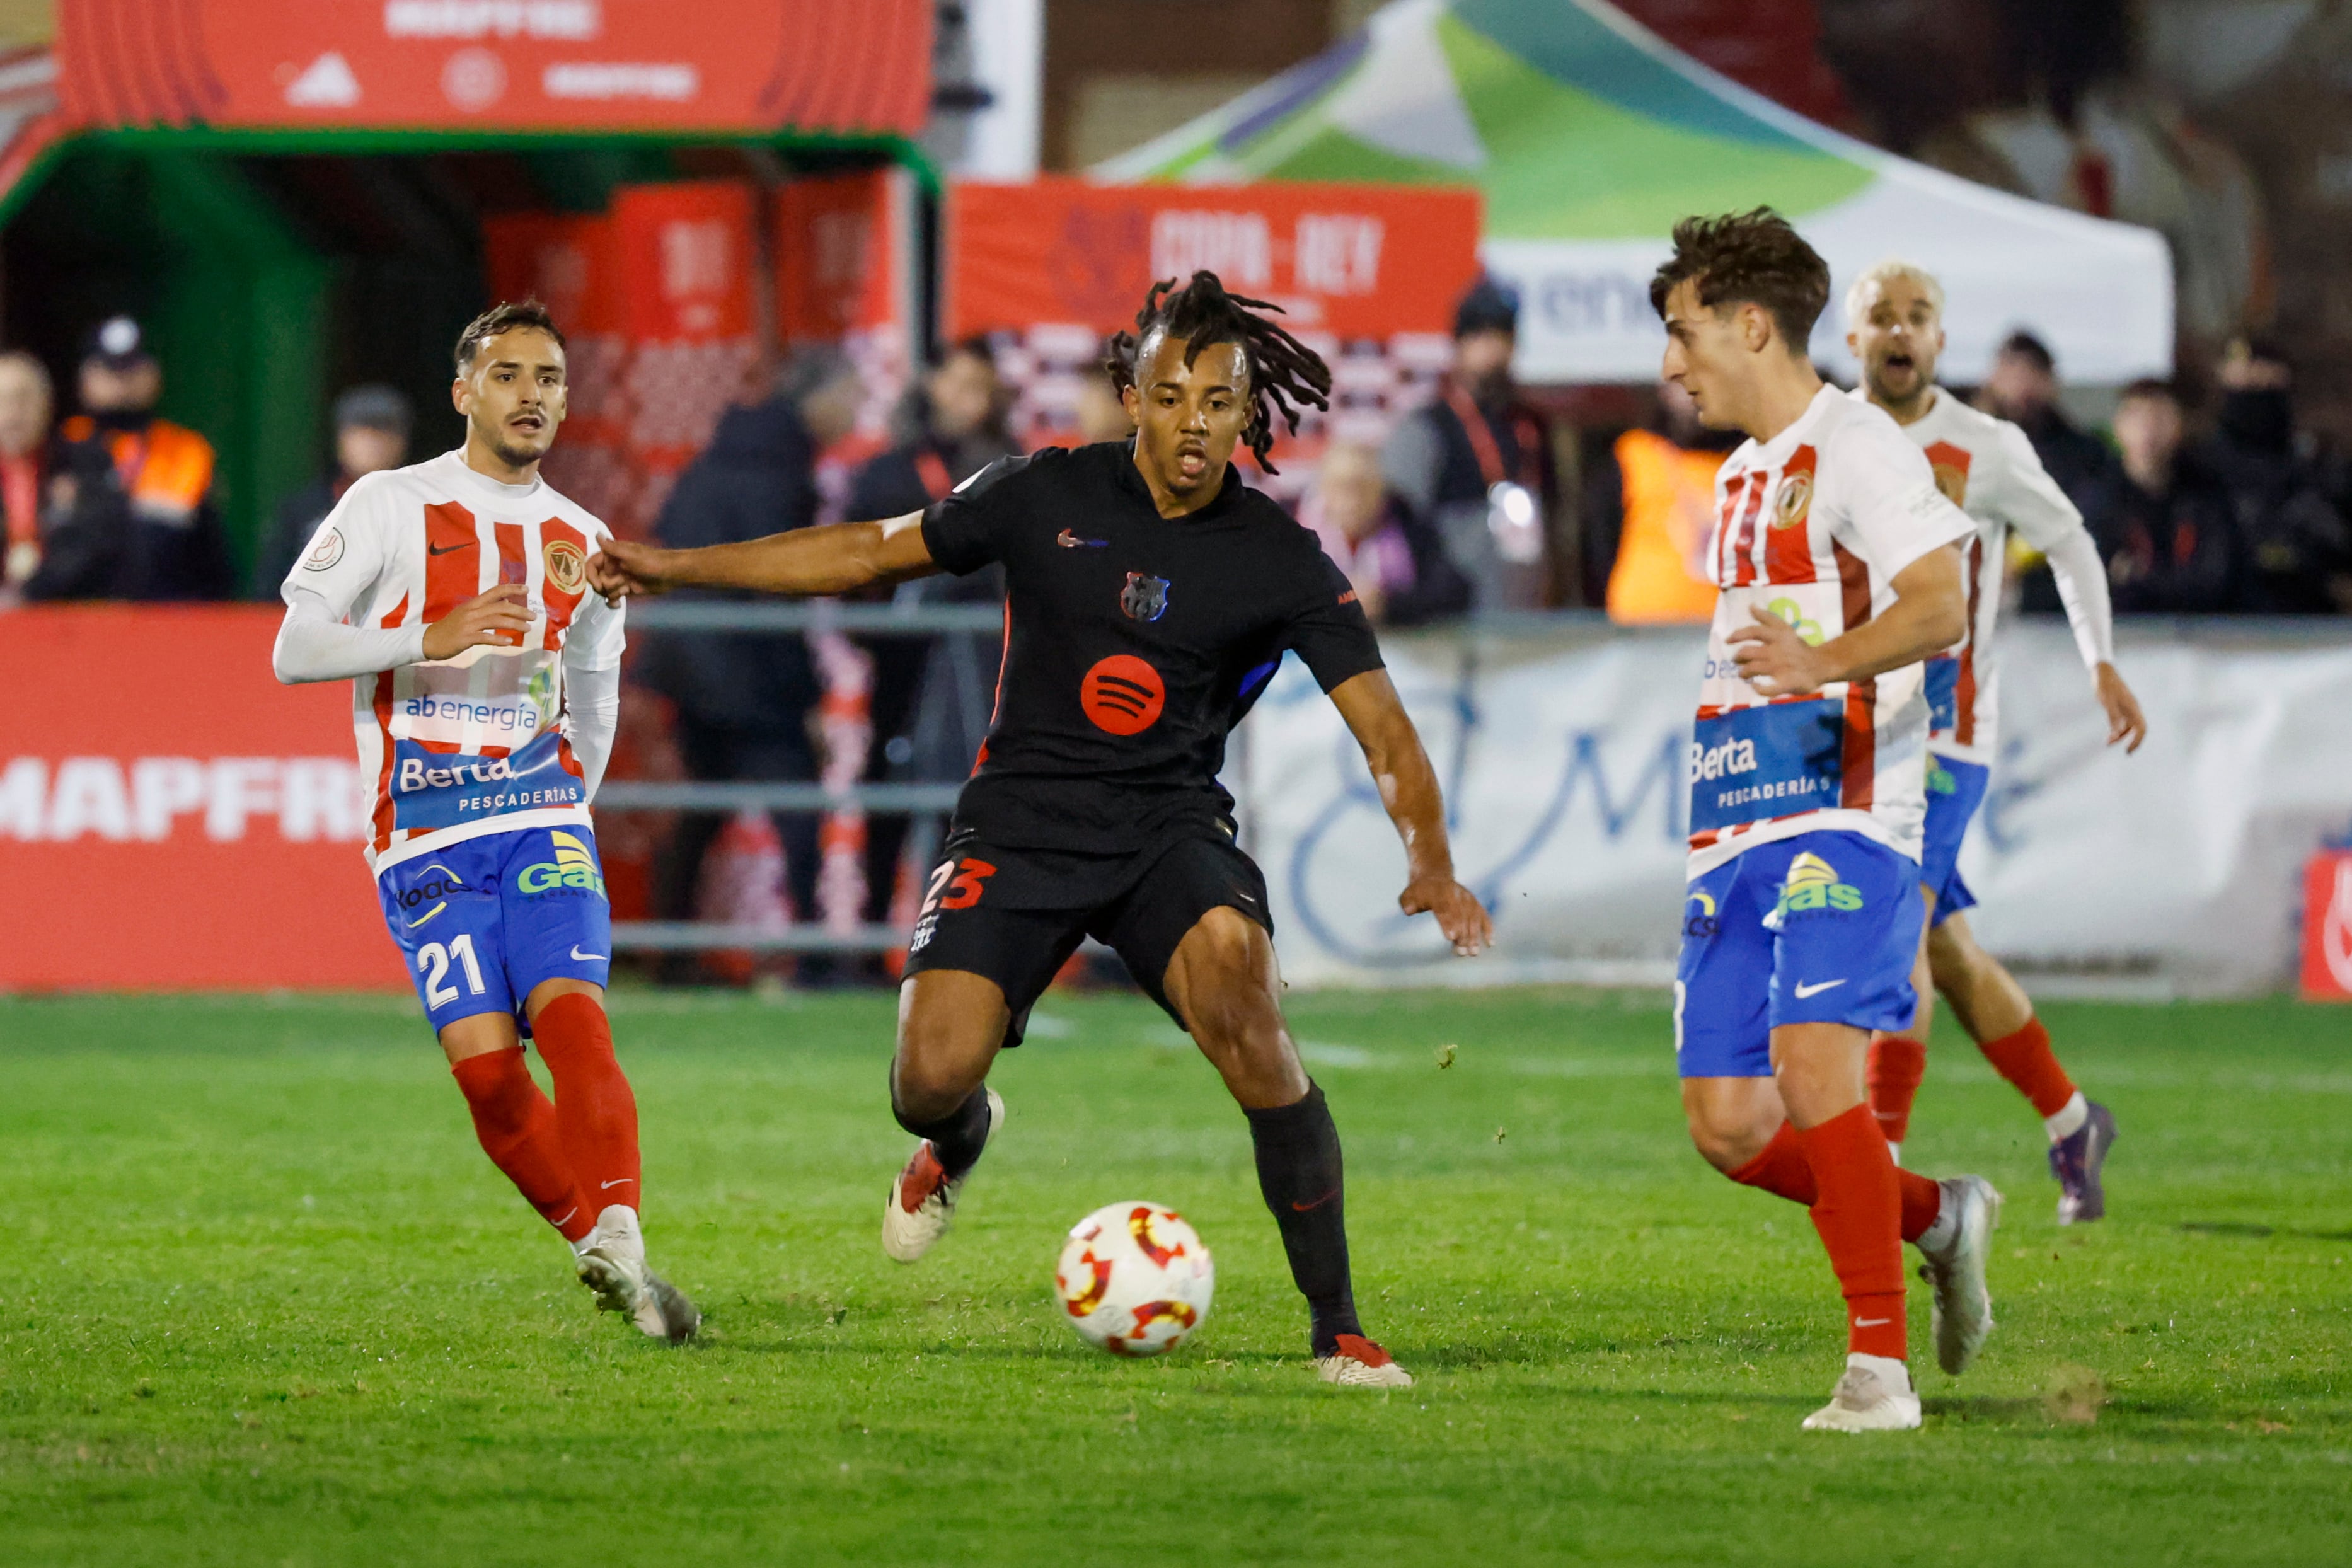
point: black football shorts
(1016, 915)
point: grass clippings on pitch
(271, 1305)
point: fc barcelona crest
(1144, 598)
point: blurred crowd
(1483, 501)
(2215, 502)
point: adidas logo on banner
(328, 83)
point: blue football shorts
(1955, 791)
(1817, 929)
(484, 921)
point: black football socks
(1298, 1171)
(956, 1138)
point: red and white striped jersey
(1988, 469)
(1813, 526)
(478, 743)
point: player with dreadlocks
(1150, 596)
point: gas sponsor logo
(573, 869)
(1813, 884)
(155, 800)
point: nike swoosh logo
(1069, 540)
(580, 957)
(1804, 991)
(615, 1182)
(1318, 1202)
(1869, 1323)
(444, 549)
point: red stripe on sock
(596, 1110)
(2025, 1059)
(517, 1127)
(1897, 1063)
(1859, 1215)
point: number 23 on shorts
(964, 890)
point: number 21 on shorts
(432, 962)
(956, 884)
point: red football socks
(1896, 1064)
(1782, 1170)
(595, 1112)
(2025, 1058)
(1859, 1215)
(517, 1127)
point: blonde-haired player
(1988, 468)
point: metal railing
(928, 802)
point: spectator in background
(1474, 467)
(137, 498)
(949, 425)
(2162, 518)
(1102, 416)
(372, 426)
(24, 410)
(1649, 509)
(1396, 565)
(744, 699)
(2022, 389)
(2299, 549)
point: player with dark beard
(1150, 596)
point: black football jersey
(1133, 643)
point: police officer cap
(119, 343)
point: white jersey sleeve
(335, 574)
(591, 685)
(2025, 496)
(598, 634)
(1883, 501)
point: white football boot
(1961, 1241)
(923, 1199)
(1360, 1363)
(1875, 1395)
(610, 1261)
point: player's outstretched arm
(1929, 615)
(810, 562)
(1407, 788)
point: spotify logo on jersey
(1122, 695)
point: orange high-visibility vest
(166, 471)
(1669, 503)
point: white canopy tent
(1590, 136)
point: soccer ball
(1134, 1280)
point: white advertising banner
(2177, 871)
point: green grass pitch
(267, 1303)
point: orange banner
(836, 246)
(1350, 260)
(569, 263)
(170, 817)
(549, 65)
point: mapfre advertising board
(557, 65)
(1349, 259)
(170, 817)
